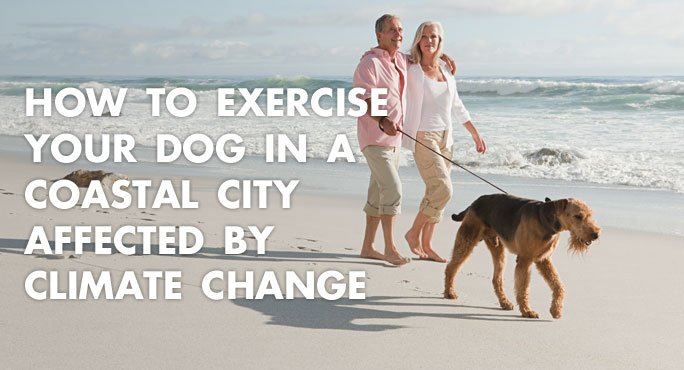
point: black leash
(454, 163)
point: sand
(623, 307)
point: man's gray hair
(380, 23)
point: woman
(431, 100)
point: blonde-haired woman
(431, 101)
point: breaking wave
(552, 87)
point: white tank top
(435, 114)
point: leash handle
(452, 162)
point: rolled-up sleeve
(365, 77)
(458, 109)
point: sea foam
(622, 131)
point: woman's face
(429, 41)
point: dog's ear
(547, 199)
(548, 219)
(561, 204)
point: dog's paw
(506, 305)
(530, 314)
(555, 312)
(450, 294)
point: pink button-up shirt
(376, 70)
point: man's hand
(449, 62)
(388, 126)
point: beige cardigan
(414, 103)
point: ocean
(625, 131)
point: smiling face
(426, 47)
(391, 36)
(430, 40)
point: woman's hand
(479, 141)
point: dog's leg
(522, 287)
(548, 272)
(499, 258)
(466, 239)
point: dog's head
(575, 216)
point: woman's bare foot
(413, 240)
(432, 255)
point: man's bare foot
(414, 244)
(372, 254)
(392, 256)
(432, 255)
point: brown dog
(528, 228)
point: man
(384, 67)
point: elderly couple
(421, 97)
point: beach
(622, 307)
(224, 223)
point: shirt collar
(382, 53)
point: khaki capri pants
(384, 189)
(435, 173)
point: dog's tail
(459, 217)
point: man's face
(391, 36)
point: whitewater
(623, 131)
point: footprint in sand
(309, 249)
(308, 240)
(419, 290)
(50, 256)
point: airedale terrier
(528, 228)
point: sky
(316, 38)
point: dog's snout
(595, 236)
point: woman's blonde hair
(416, 54)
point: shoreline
(617, 206)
